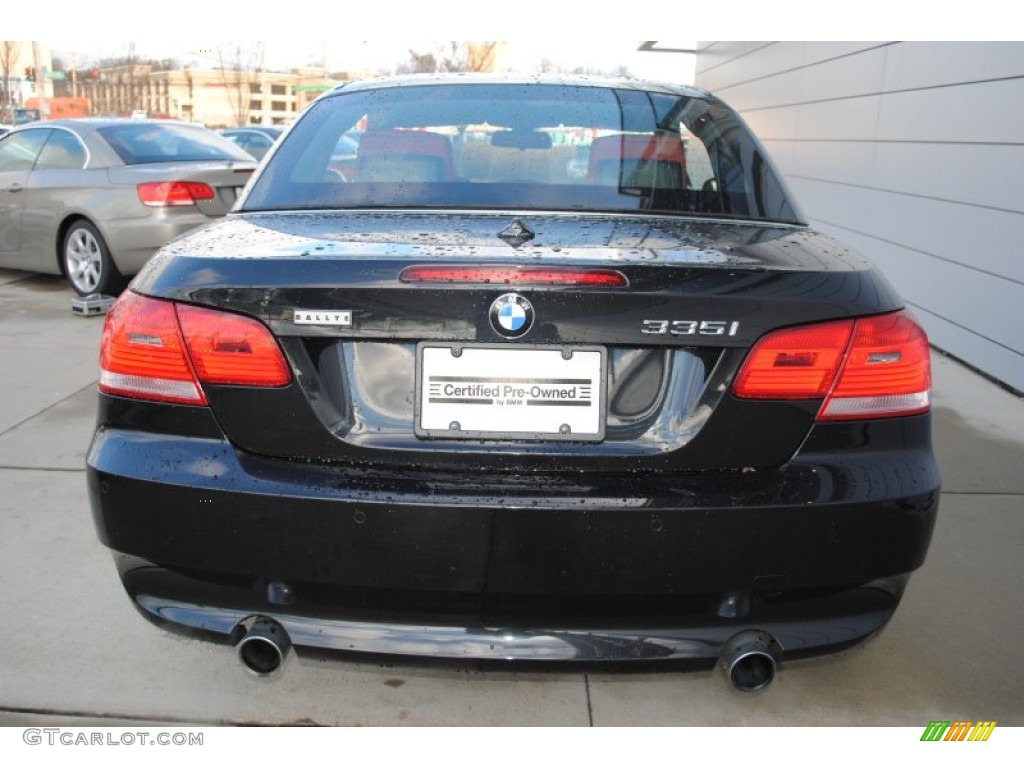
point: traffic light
(30, 74)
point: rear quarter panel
(57, 196)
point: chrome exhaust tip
(264, 646)
(749, 661)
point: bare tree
(123, 72)
(453, 56)
(547, 65)
(9, 52)
(442, 58)
(126, 93)
(619, 70)
(483, 55)
(238, 72)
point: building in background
(911, 153)
(37, 84)
(217, 98)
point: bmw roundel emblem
(511, 315)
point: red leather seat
(392, 156)
(638, 160)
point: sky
(595, 35)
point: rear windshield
(137, 143)
(522, 146)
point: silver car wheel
(87, 261)
(84, 261)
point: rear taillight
(511, 275)
(167, 193)
(887, 371)
(794, 363)
(142, 353)
(868, 368)
(158, 350)
(232, 349)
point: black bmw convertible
(549, 370)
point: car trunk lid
(366, 342)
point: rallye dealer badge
(516, 393)
(340, 317)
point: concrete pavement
(76, 652)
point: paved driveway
(75, 652)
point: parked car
(22, 115)
(256, 140)
(94, 199)
(470, 401)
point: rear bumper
(816, 625)
(540, 566)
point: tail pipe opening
(749, 661)
(264, 645)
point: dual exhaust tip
(264, 645)
(748, 659)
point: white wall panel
(815, 53)
(764, 92)
(721, 65)
(717, 53)
(980, 112)
(923, 65)
(844, 162)
(978, 237)
(772, 124)
(979, 174)
(854, 75)
(772, 59)
(848, 119)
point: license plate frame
(461, 394)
